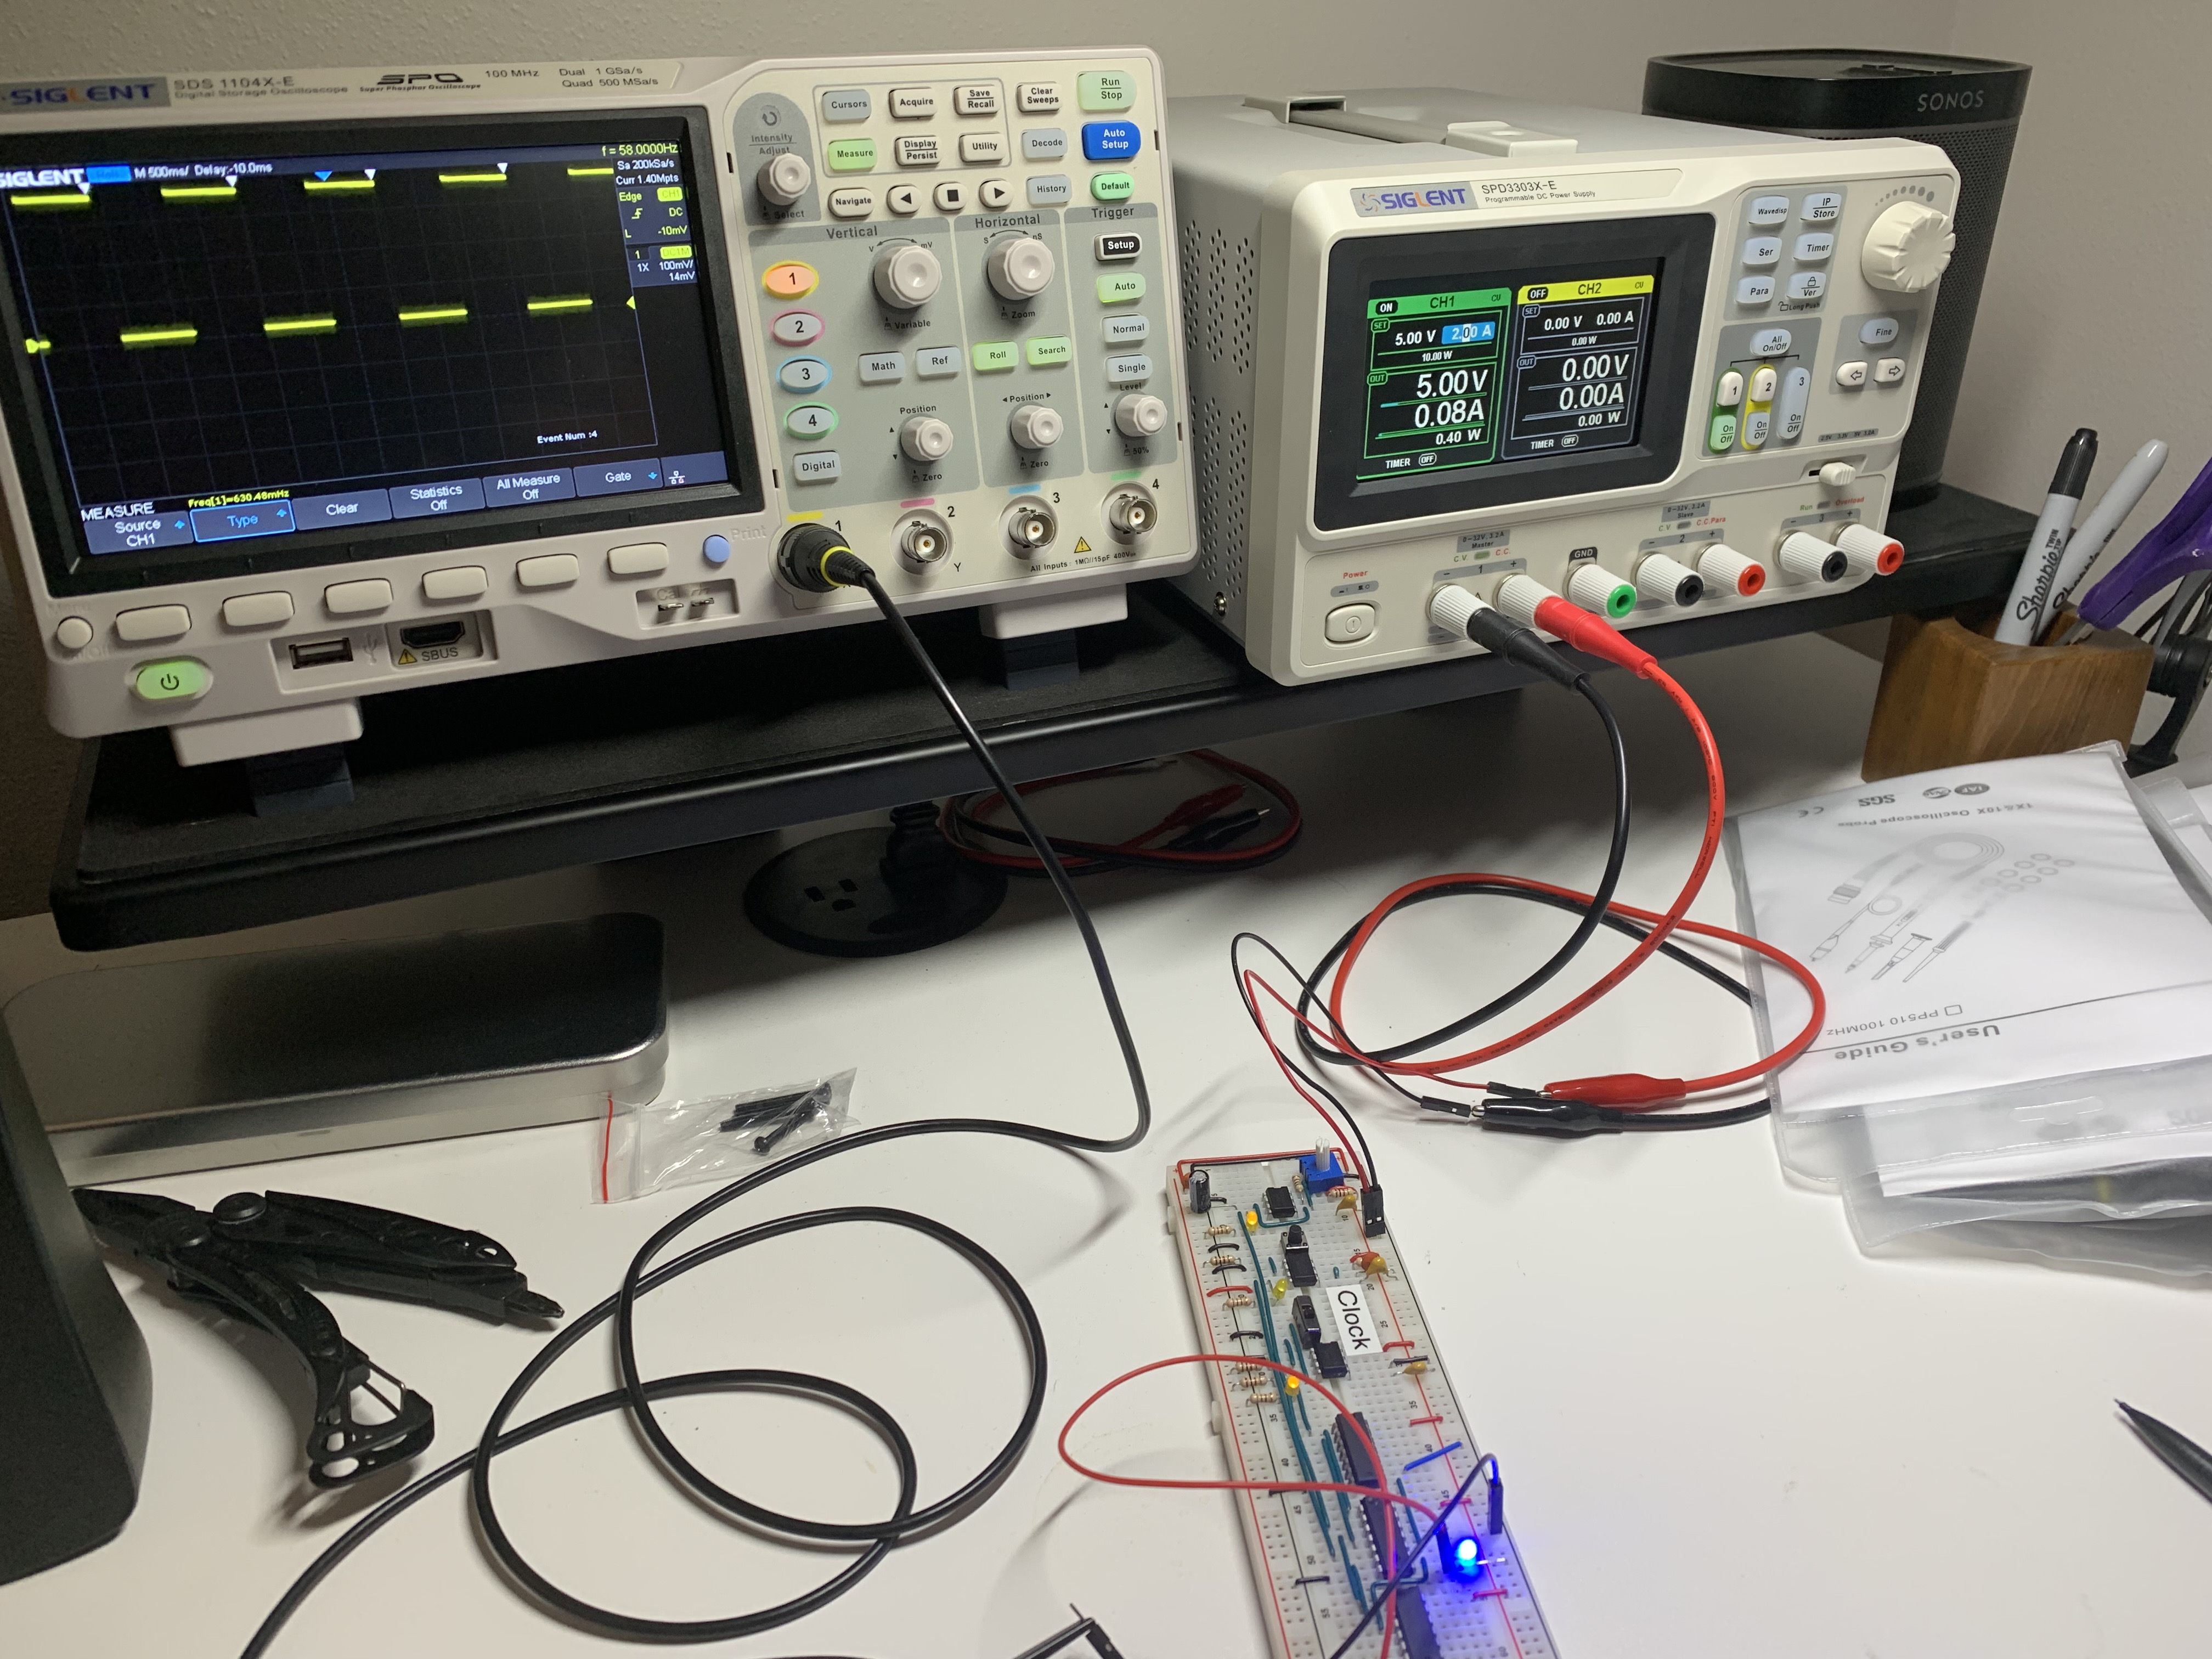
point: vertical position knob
(1907, 247)
(1599, 590)
(1869, 552)
(1140, 415)
(1807, 558)
(783, 179)
(907, 275)
(926, 438)
(1019, 267)
(1727, 571)
(1036, 426)
(1669, 581)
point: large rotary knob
(907, 275)
(1019, 267)
(1140, 415)
(1908, 247)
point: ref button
(178, 679)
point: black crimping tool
(256, 1254)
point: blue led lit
(1463, 1558)
(1469, 1554)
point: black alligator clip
(256, 1255)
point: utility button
(1111, 141)
(178, 680)
(1050, 350)
(1111, 186)
(1121, 287)
(850, 155)
(1106, 89)
(983, 148)
(792, 280)
(993, 355)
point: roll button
(180, 679)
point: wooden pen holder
(1951, 695)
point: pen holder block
(1950, 696)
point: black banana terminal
(814, 558)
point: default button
(1112, 186)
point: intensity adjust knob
(1907, 247)
(1036, 426)
(926, 438)
(1019, 267)
(907, 275)
(783, 179)
(1140, 415)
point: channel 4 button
(420, 500)
(355, 506)
(846, 104)
(619, 479)
(817, 466)
(229, 523)
(1125, 331)
(1770, 342)
(1043, 144)
(935, 362)
(1050, 190)
(118, 529)
(1122, 288)
(811, 420)
(551, 483)
(1111, 141)
(881, 368)
(1128, 371)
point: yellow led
(1290, 1384)
(1282, 1288)
(1251, 1221)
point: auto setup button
(1111, 141)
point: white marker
(2030, 590)
(2105, 520)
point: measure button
(792, 280)
(1106, 89)
(180, 679)
(1348, 624)
(850, 155)
(1111, 141)
(1120, 289)
(1112, 186)
(993, 355)
(1050, 350)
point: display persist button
(178, 679)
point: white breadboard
(1314, 1555)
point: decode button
(793, 279)
(1348, 624)
(1111, 141)
(180, 679)
(1043, 144)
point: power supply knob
(783, 179)
(1034, 426)
(907, 275)
(1019, 267)
(1805, 558)
(926, 438)
(1140, 415)
(1908, 247)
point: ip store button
(1822, 207)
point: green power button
(178, 679)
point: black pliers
(256, 1254)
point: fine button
(817, 466)
(1809, 284)
(975, 100)
(995, 193)
(257, 609)
(796, 328)
(1769, 210)
(715, 549)
(152, 622)
(72, 633)
(1728, 390)
(353, 599)
(902, 199)
(1813, 246)
(638, 559)
(1770, 342)
(547, 570)
(1888, 371)
(1822, 207)
(178, 680)
(1037, 97)
(850, 203)
(935, 362)
(1878, 331)
(1851, 374)
(880, 368)
(1762, 251)
(1044, 143)
(461, 581)
(1755, 290)
(1050, 190)
(1348, 624)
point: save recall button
(176, 679)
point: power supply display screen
(1479, 371)
(236, 346)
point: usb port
(322, 653)
(425, 635)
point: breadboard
(1315, 1555)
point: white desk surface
(1724, 1431)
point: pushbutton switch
(1769, 210)
(1755, 290)
(152, 622)
(72, 633)
(1106, 89)
(802, 375)
(850, 155)
(715, 549)
(547, 570)
(1043, 144)
(180, 679)
(811, 420)
(793, 279)
(1348, 624)
(796, 328)
(1111, 141)
(1878, 331)
(846, 104)
(1112, 186)
(1762, 384)
(1888, 371)
(1762, 251)
(1851, 375)
(1728, 390)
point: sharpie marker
(2104, 520)
(2030, 590)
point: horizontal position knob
(1019, 267)
(783, 179)
(1669, 581)
(1869, 552)
(1598, 590)
(1140, 415)
(907, 275)
(1807, 558)
(926, 438)
(1727, 571)
(1907, 247)
(1036, 426)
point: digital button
(178, 680)
(1111, 141)
(850, 155)
(1348, 624)
(72, 633)
(1106, 89)
(802, 375)
(980, 147)
(638, 559)
(1851, 375)
(461, 581)
(902, 199)
(1889, 371)
(975, 100)
(1128, 371)
(1755, 290)
(817, 467)
(846, 104)
(1037, 97)
(1878, 331)
(152, 622)
(916, 149)
(796, 328)
(1822, 207)
(1124, 331)
(547, 570)
(257, 609)
(880, 368)
(1762, 251)
(851, 204)
(1043, 144)
(912, 103)
(1770, 342)
(1809, 284)
(1050, 350)
(356, 599)
(1111, 186)
(935, 362)
(993, 355)
(792, 280)
(811, 420)
(1813, 246)
(1119, 244)
(1769, 210)
(715, 549)
(1728, 390)
(1722, 438)
(1050, 190)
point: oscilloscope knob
(1140, 415)
(1036, 426)
(1908, 247)
(783, 179)
(1019, 267)
(924, 438)
(907, 275)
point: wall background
(2098, 309)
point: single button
(1789, 413)
(178, 680)
(975, 100)
(791, 280)
(1889, 371)
(950, 197)
(902, 199)
(1809, 284)
(818, 466)
(1851, 374)
(152, 622)
(1111, 186)
(1762, 384)
(1756, 424)
(916, 149)
(1106, 89)
(912, 103)
(1728, 390)
(1121, 288)
(353, 598)
(935, 362)
(1721, 436)
(1348, 624)
(1813, 246)
(1878, 331)
(1050, 189)
(995, 193)
(1755, 290)
(1050, 350)
(796, 328)
(849, 203)
(1762, 251)
(1043, 144)
(547, 570)
(72, 633)
(846, 104)
(993, 355)
(1124, 331)
(1111, 141)
(1119, 244)
(1037, 97)
(850, 155)
(1821, 207)
(1769, 210)
(802, 373)
(715, 549)
(461, 581)
(811, 420)
(879, 367)
(638, 559)
(1770, 342)
(979, 148)
(257, 610)
(1128, 371)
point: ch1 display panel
(236, 350)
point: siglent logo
(1413, 198)
(42, 178)
(30, 97)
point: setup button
(180, 679)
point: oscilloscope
(1440, 338)
(328, 383)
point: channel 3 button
(802, 375)
(178, 679)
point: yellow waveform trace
(159, 334)
(283, 327)
(591, 172)
(198, 192)
(555, 303)
(475, 176)
(341, 182)
(37, 344)
(50, 200)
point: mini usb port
(425, 636)
(322, 653)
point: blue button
(715, 549)
(1110, 141)
(227, 524)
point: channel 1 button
(180, 679)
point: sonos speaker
(1967, 107)
(76, 1387)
